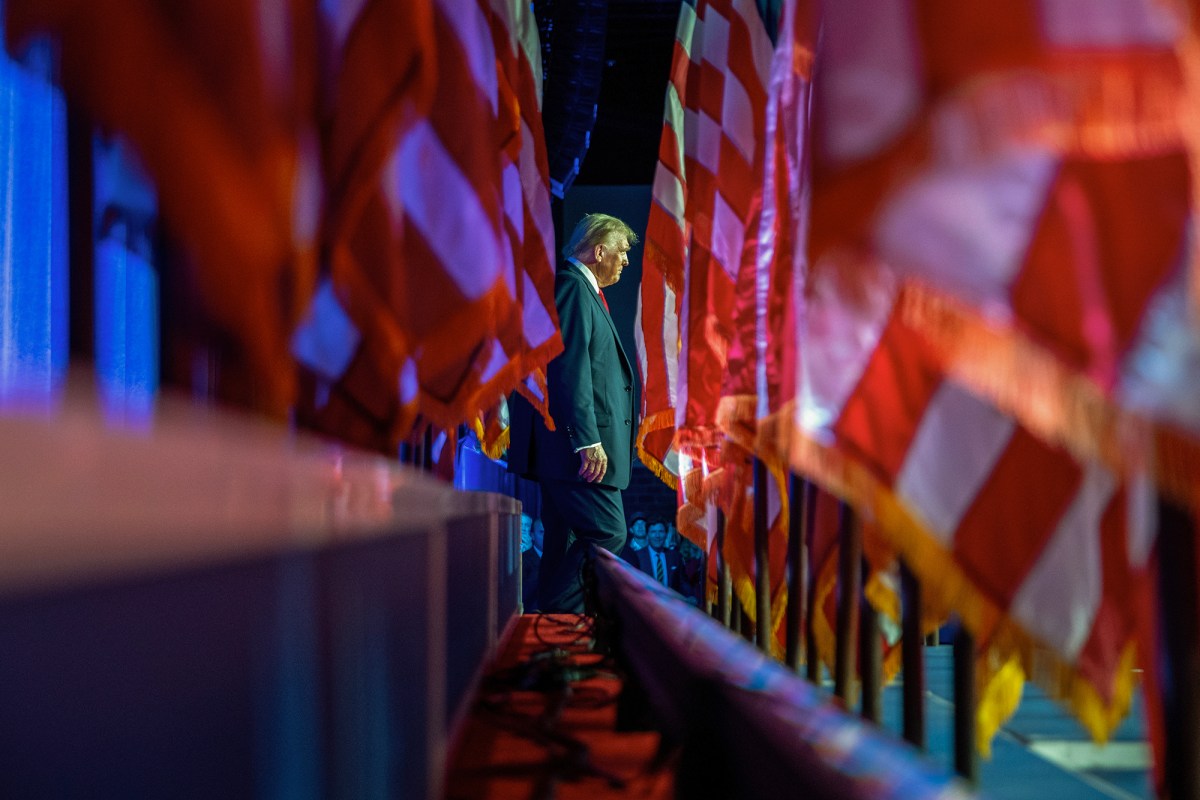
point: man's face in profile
(611, 260)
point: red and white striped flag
(1032, 548)
(1032, 190)
(668, 233)
(1035, 190)
(760, 372)
(443, 280)
(527, 194)
(705, 193)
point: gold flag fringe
(1056, 403)
(948, 590)
(660, 420)
(492, 446)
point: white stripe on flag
(1068, 576)
(523, 36)
(871, 84)
(1108, 23)
(532, 385)
(668, 193)
(679, 396)
(514, 199)
(514, 212)
(475, 35)
(425, 184)
(951, 457)
(729, 232)
(671, 346)
(708, 142)
(737, 117)
(839, 336)
(968, 227)
(761, 48)
(536, 322)
(673, 116)
(715, 44)
(497, 362)
(685, 28)
(326, 339)
(537, 194)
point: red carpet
(544, 724)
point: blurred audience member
(637, 537)
(693, 571)
(531, 564)
(526, 528)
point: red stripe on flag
(1014, 514)
(879, 420)
(1114, 625)
(1099, 253)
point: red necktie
(603, 300)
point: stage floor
(544, 724)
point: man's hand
(593, 463)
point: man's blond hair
(596, 229)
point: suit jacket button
(627, 388)
(626, 422)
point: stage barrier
(748, 726)
(206, 606)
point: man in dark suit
(584, 463)
(659, 561)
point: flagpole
(849, 588)
(966, 757)
(812, 666)
(871, 647)
(799, 501)
(724, 582)
(912, 652)
(762, 558)
(1180, 650)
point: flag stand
(800, 502)
(1179, 672)
(849, 589)
(870, 645)
(762, 558)
(913, 654)
(966, 755)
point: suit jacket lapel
(612, 326)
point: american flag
(1032, 548)
(759, 380)
(1034, 190)
(706, 191)
(1024, 171)
(421, 184)
(447, 278)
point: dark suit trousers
(575, 515)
